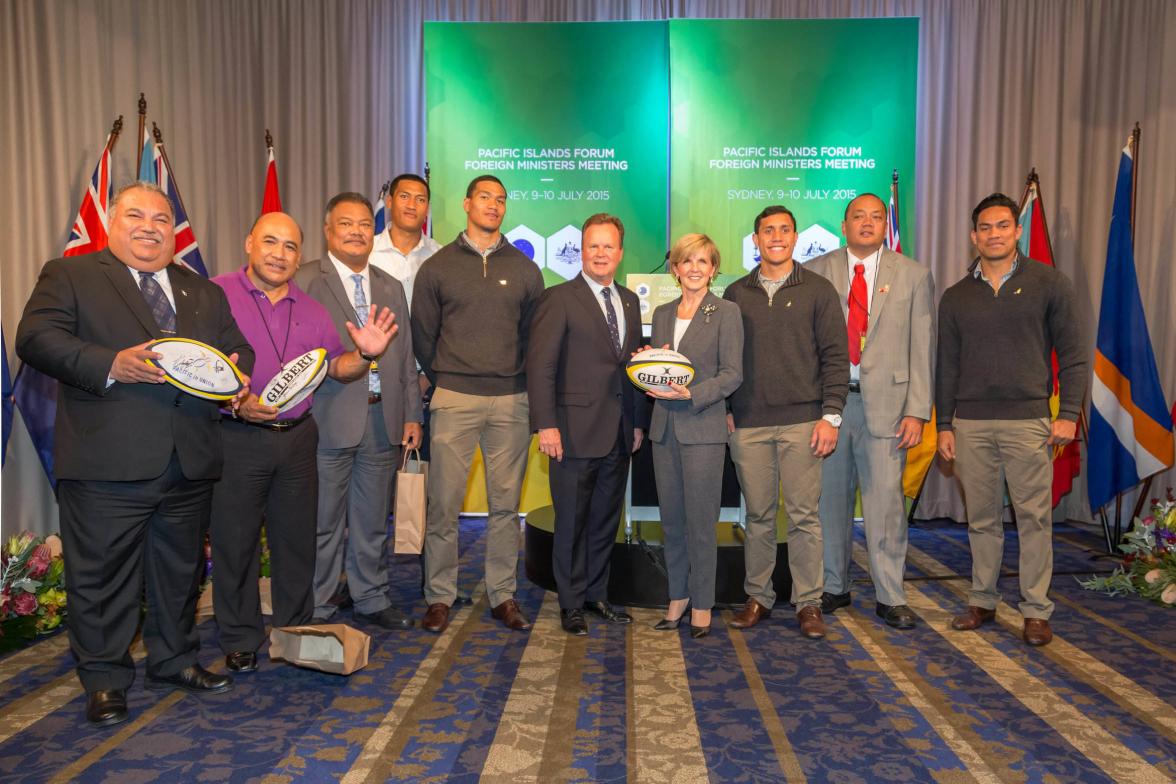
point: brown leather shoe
(511, 616)
(1037, 631)
(436, 618)
(811, 623)
(973, 618)
(752, 613)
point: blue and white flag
(1130, 424)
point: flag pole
(269, 140)
(1143, 493)
(142, 130)
(115, 130)
(894, 193)
(158, 134)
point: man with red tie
(889, 306)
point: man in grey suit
(362, 424)
(890, 388)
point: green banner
(572, 117)
(804, 113)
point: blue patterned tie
(161, 309)
(610, 314)
(361, 316)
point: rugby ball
(296, 381)
(655, 368)
(196, 368)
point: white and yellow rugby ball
(296, 381)
(654, 369)
(196, 368)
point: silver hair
(141, 186)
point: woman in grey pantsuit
(689, 428)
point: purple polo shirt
(279, 331)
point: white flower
(1169, 594)
(1152, 577)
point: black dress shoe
(608, 612)
(341, 598)
(900, 616)
(241, 661)
(462, 599)
(106, 706)
(193, 679)
(831, 601)
(388, 618)
(573, 622)
(666, 625)
(698, 632)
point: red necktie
(859, 314)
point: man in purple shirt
(270, 466)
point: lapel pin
(788, 304)
(1018, 291)
(884, 289)
(502, 282)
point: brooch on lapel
(1018, 291)
(884, 289)
(707, 310)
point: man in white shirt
(402, 249)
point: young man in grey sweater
(998, 328)
(471, 308)
(785, 416)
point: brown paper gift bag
(330, 647)
(412, 481)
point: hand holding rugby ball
(658, 370)
(296, 381)
(196, 368)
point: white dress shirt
(386, 257)
(615, 295)
(871, 274)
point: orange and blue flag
(1130, 424)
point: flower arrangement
(1149, 557)
(32, 588)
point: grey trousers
(1016, 448)
(874, 465)
(769, 460)
(689, 489)
(355, 488)
(459, 423)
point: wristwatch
(833, 419)
(368, 357)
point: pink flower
(39, 561)
(1169, 594)
(1152, 577)
(24, 604)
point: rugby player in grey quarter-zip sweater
(472, 304)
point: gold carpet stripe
(668, 745)
(22, 713)
(956, 732)
(1124, 692)
(43, 652)
(384, 746)
(561, 727)
(516, 754)
(72, 771)
(785, 755)
(1158, 650)
(1084, 734)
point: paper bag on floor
(330, 647)
(412, 481)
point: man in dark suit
(588, 416)
(135, 458)
(362, 424)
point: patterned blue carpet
(867, 704)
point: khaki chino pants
(1016, 448)
(769, 460)
(459, 423)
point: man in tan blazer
(889, 305)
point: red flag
(271, 201)
(1035, 244)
